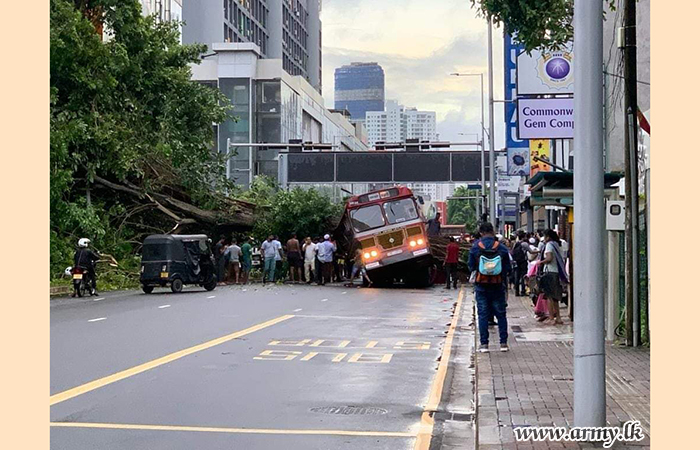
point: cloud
(418, 44)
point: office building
(271, 106)
(288, 30)
(359, 88)
(397, 123)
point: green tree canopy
(463, 211)
(534, 23)
(130, 131)
(305, 212)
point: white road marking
(324, 300)
(297, 310)
(163, 306)
(98, 319)
(98, 299)
(212, 296)
(345, 292)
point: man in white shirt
(309, 250)
(325, 255)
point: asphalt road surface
(293, 367)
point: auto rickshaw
(177, 260)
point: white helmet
(83, 242)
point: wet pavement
(255, 368)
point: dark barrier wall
(467, 166)
(310, 168)
(433, 166)
(367, 167)
(363, 167)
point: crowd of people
(540, 271)
(313, 260)
(535, 264)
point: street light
(483, 162)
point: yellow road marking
(126, 426)
(96, 384)
(427, 422)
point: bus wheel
(423, 277)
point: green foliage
(535, 23)
(302, 211)
(261, 191)
(124, 109)
(463, 212)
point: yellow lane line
(95, 384)
(126, 426)
(426, 426)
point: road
(299, 367)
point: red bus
(388, 226)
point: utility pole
(629, 52)
(589, 217)
(492, 155)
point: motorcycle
(82, 282)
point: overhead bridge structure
(380, 167)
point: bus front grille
(391, 240)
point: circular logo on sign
(391, 240)
(557, 68)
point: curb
(56, 291)
(486, 413)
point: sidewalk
(532, 385)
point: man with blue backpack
(491, 262)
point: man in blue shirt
(270, 252)
(490, 293)
(325, 256)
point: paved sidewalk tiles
(532, 385)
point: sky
(418, 43)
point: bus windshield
(400, 210)
(366, 218)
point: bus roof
(379, 196)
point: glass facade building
(269, 106)
(289, 30)
(359, 88)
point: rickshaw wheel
(147, 289)
(176, 285)
(210, 285)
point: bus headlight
(420, 241)
(374, 253)
(367, 255)
(412, 243)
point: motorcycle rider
(84, 257)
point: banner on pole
(546, 72)
(546, 118)
(539, 148)
(511, 50)
(518, 161)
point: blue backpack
(490, 265)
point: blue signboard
(517, 149)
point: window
(366, 218)
(400, 210)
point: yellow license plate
(164, 274)
(78, 276)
